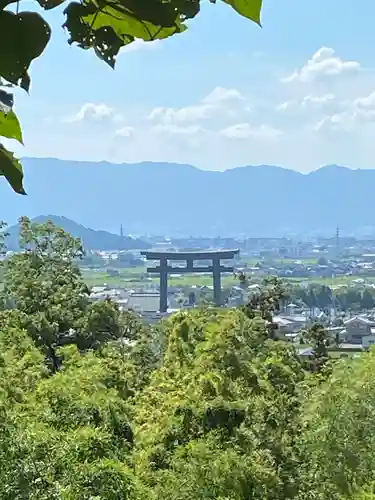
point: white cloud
(174, 129)
(180, 115)
(91, 111)
(359, 111)
(140, 44)
(326, 120)
(246, 131)
(365, 103)
(220, 94)
(364, 108)
(219, 102)
(317, 101)
(283, 106)
(337, 121)
(118, 118)
(322, 64)
(125, 132)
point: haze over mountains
(91, 239)
(175, 199)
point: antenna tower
(337, 239)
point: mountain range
(91, 239)
(176, 199)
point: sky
(298, 92)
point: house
(114, 294)
(144, 302)
(289, 327)
(341, 351)
(298, 321)
(284, 325)
(291, 308)
(357, 328)
(98, 289)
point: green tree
(92, 260)
(203, 406)
(349, 299)
(218, 419)
(267, 302)
(43, 284)
(319, 339)
(338, 443)
(367, 300)
(100, 323)
(67, 436)
(45, 294)
(366, 493)
(323, 295)
(243, 279)
(311, 298)
(105, 27)
(3, 235)
(322, 261)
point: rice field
(137, 277)
(131, 278)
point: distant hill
(92, 239)
(174, 199)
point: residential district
(331, 281)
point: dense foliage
(104, 26)
(45, 294)
(207, 405)
(345, 298)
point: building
(359, 330)
(144, 302)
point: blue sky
(300, 92)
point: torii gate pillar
(163, 284)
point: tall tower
(121, 231)
(337, 240)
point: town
(330, 281)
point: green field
(137, 277)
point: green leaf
(11, 168)
(124, 24)
(108, 26)
(6, 3)
(50, 4)
(143, 12)
(247, 8)
(188, 8)
(23, 38)
(104, 41)
(6, 101)
(10, 126)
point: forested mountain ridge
(91, 239)
(167, 198)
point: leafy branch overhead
(102, 25)
(108, 25)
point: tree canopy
(45, 294)
(208, 404)
(105, 26)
